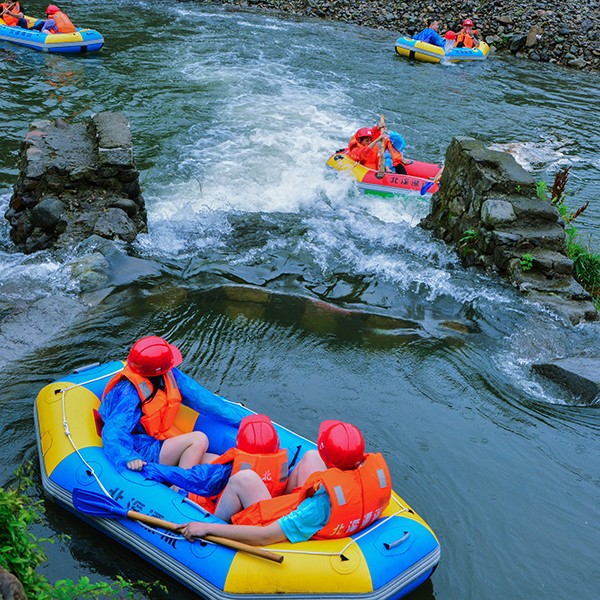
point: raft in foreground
(417, 175)
(81, 41)
(410, 48)
(387, 560)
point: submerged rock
(579, 375)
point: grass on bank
(21, 552)
(586, 261)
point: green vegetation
(21, 552)
(526, 262)
(468, 241)
(586, 261)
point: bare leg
(310, 463)
(208, 458)
(243, 489)
(185, 450)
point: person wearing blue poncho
(138, 410)
(430, 35)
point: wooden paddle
(381, 169)
(99, 505)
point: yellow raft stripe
(302, 573)
(79, 416)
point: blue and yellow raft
(393, 556)
(410, 48)
(81, 41)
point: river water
(370, 319)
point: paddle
(381, 169)
(99, 505)
(426, 186)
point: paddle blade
(97, 505)
(425, 187)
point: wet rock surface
(579, 375)
(487, 207)
(76, 180)
(565, 33)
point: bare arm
(254, 535)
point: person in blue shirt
(430, 35)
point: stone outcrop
(487, 206)
(566, 33)
(76, 180)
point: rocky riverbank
(565, 33)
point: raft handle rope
(63, 392)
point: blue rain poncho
(123, 436)
(398, 142)
(204, 480)
(430, 36)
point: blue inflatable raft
(81, 41)
(390, 558)
(410, 48)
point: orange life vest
(370, 157)
(358, 497)
(11, 21)
(159, 413)
(272, 469)
(63, 23)
(467, 39)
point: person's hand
(136, 465)
(193, 530)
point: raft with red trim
(417, 175)
(387, 560)
(80, 41)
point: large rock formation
(76, 180)
(487, 206)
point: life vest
(465, 38)
(358, 497)
(369, 157)
(11, 21)
(272, 469)
(160, 412)
(63, 23)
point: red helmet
(257, 435)
(152, 356)
(341, 445)
(450, 35)
(467, 23)
(52, 8)
(364, 132)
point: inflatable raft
(393, 556)
(418, 50)
(81, 41)
(417, 175)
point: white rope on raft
(63, 392)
